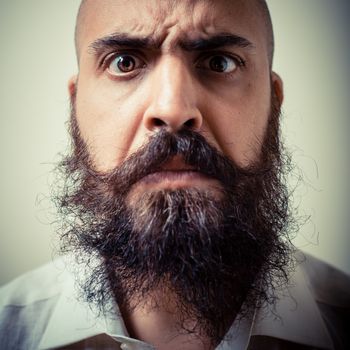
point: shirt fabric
(42, 310)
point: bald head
(269, 29)
(79, 24)
(261, 6)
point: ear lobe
(277, 86)
(72, 86)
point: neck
(163, 327)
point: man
(174, 202)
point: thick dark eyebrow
(120, 40)
(215, 42)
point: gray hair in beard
(216, 256)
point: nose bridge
(174, 85)
(173, 97)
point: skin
(171, 87)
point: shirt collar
(70, 321)
(73, 321)
(295, 318)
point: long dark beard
(212, 253)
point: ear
(277, 86)
(72, 86)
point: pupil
(218, 64)
(126, 64)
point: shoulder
(330, 288)
(312, 309)
(27, 302)
(328, 284)
(36, 285)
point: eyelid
(239, 60)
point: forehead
(171, 20)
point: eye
(123, 64)
(220, 63)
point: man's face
(179, 77)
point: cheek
(107, 117)
(239, 124)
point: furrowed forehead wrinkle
(161, 13)
(260, 6)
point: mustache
(162, 147)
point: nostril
(173, 125)
(189, 123)
(158, 122)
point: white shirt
(41, 310)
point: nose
(173, 100)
